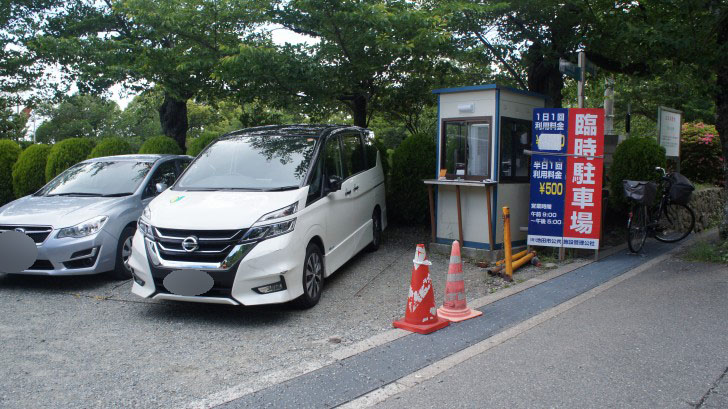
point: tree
(363, 49)
(173, 44)
(12, 124)
(78, 116)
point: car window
(371, 151)
(183, 163)
(166, 173)
(352, 156)
(314, 186)
(332, 158)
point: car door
(338, 205)
(354, 166)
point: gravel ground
(88, 342)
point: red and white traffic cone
(456, 306)
(421, 314)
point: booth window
(514, 139)
(465, 149)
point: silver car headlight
(268, 231)
(87, 228)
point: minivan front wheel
(377, 231)
(313, 277)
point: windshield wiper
(281, 188)
(222, 189)
(119, 194)
(77, 194)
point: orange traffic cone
(456, 308)
(421, 314)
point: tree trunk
(359, 110)
(173, 117)
(544, 76)
(721, 111)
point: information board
(548, 177)
(668, 123)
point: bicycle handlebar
(661, 170)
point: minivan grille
(37, 233)
(213, 245)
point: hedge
(196, 145)
(160, 145)
(65, 154)
(412, 161)
(634, 159)
(9, 153)
(701, 159)
(110, 147)
(29, 170)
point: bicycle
(668, 222)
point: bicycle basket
(681, 189)
(640, 191)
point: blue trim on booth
(496, 167)
(436, 193)
(487, 87)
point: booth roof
(487, 87)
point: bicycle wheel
(675, 222)
(637, 228)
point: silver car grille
(37, 233)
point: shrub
(65, 154)
(634, 159)
(29, 170)
(412, 161)
(110, 147)
(160, 145)
(196, 145)
(9, 153)
(701, 159)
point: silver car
(84, 219)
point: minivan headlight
(277, 214)
(259, 233)
(87, 228)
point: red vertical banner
(583, 207)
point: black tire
(121, 269)
(675, 223)
(637, 228)
(377, 231)
(312, 277)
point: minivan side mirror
(334, 184)
(161, 187)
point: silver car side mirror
(161, 187)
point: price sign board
(548, 177)
(583, 207)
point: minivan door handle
(347, 193)
(356, 188)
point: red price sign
(583, 207)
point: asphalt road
(88, 342)
(655, 340)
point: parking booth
(483, 131)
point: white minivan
(262, 216)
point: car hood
(57, 211)
(217, 210)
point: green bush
(701, 159)
(634, 159)
(160, 145)
(29, 170)
(65, 154)
(9, 153)
(110, 147)
(412, 161)
(196, 145)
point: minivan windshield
(112, 178)
(250, 162)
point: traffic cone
(421, 314)
(456, 308)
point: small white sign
(669, 121)
(550, 141)
(466, 108)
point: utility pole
(582, 77)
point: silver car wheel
(314, 275)
(126, 252)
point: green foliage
(160, 145)
(634, 159)
(140, 119)
(707, 252)
(195, 146)
(65, 154)
(78, 116)
(110, 147)
(12, 124)
(29, 170)
(9, 153)
(412, 161)
(701, 159)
